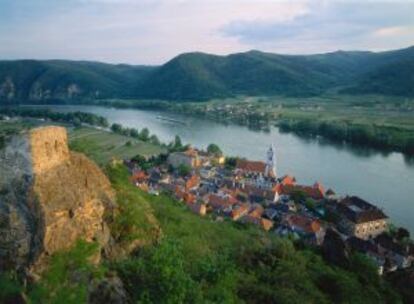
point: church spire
(271, 162)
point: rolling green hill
(199, 76)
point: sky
(152, 32)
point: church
(260, 174)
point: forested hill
(199, 76)
(34, 80)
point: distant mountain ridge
(199, 76)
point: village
(251, 192)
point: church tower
(271, 162)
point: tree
(184, 170)
(214, 149)
(144, 134)
(310, 203)
(298, 196)
(139, 159)
(177, 142)
(402, 233)
(231, 162)
(116, 128)
(154, 139)
(134, 133)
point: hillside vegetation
(190, 259)
(199, 76)
(199, 260)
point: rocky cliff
(49, 198)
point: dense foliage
(214, 149)
(143, 135)
(363, 135)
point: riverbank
(378, 122)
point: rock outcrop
(49, 198)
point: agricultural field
(103, 145)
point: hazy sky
(154, 31)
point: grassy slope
(101, 145)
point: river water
(386, 180)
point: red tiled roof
(266, 224)
(315, 191)
(189, 198)
(217, 201)
(192, 182)
(199, 208)
(139, 176)
(251, 166)
(239, 210)
(253, 190)
(262, 222)
(288, 180)
(257, 211)
(303, 223)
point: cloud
(390, 31)
(339, 24)
(153, 31)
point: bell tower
(271, 162)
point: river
(386, 180)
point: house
(260, 195)
(307, 228)
(192, 182)
(330, 194)
(139, 177)
(239, 210)
(183, 195)
(189, 198)
(271, 213)
(287, 180)
(399, 253)
(187, 158)
(248, 166)
(315, 192)
(256, 211)
(360, 218)
(265, 224)
(221, 202)
(207, 172)
(289, 206)
(197, 208)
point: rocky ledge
(49, 198)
